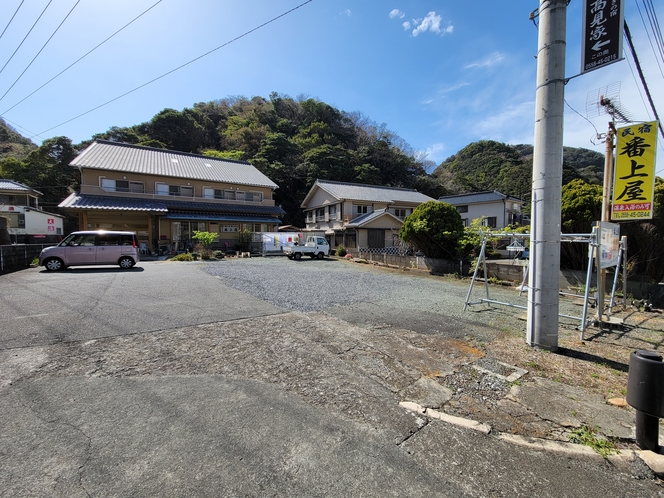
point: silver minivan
(92, 248)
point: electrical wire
(81, 58)
(10, 21)
(181, 66)
(40, 50)
(591, 123)
(628, 37)
(650, 39)
(26, 36)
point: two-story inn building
(164, 195)
(359, 216)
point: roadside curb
(653, 460)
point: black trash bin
(645, 393)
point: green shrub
(185, 256)
(218, 254)
(341, 251)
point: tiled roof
(166, 205)
(197, 215)
(114, 156)
(366, 218)
(370, 193)
(476, 197)
(12, 185)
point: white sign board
(609, 244)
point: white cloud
(394, 13)
(435, 152)
(431, 22)
(406, 26)
(346, 12)
(489, 61)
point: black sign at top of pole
(602, 33)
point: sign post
(602, 33)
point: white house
(497, 210)
(359, 216)
(25, 222)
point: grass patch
(588, 436)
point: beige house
(164, 196)
(497, 210)
(358, 216)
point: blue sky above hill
(439, 74)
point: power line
(657, 40)
(26, 36)
(40, 50)
(81, 58)
(181, 66)
(628, 36)
(10, 21)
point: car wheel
(320, 255)
(297, 256)
(54, 264)
(126, 263)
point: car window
(83, 240)
(109, 239)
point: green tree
(434, 228)
(581, 207)
(206, 239)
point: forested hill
(296, 141)
(489, 165)
(12, 143)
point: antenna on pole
(606, 100)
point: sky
(439, 74)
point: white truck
(316, 247)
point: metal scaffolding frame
(588, 238)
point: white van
(92, 248)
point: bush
(341, 251)
(185, 256)
(434, 228)
(218, 254)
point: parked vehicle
(315, 247)
(92, 248)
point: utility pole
(543, 280)
(606, 216)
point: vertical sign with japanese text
(602, 33)
(634, 176)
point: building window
(122, 186)
(462, 209)
(400, 213)
(320, 214)
(490, 221)
(253, 196)
(332, 210)
(161, 189)
(464, 221)
(362, 209)
(310, 217)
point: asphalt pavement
(167, 381)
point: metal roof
(368, 193)
(12, 185)
(166, 205)
(115, 156)
(477, 197)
